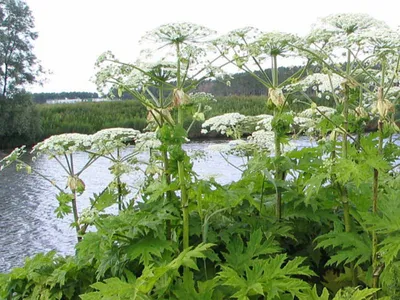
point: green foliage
(324, 216)
(19, 121)
(350, 247)
(239, 255)
(18, 62)
(270, 277)
(142, 286)
(90, 117)
(47, 276)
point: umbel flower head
(12, 157)
(225, 124)
(63, 144)
(107, 140)
(274, 44)
(319, 82)
(178, 33)
(344, 30)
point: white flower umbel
(265, 123)
(304, 124)
(113, 74)
(146, 141)
(239, 148)
(274, 44)
(202, 98)
(12, 157)
(235, 43)
(107, 140)
(324, 83)
(314, 112)
(349, 31)
(178, 33)
(67, 143)
(188, 43)
(265, 140)
(227, 124)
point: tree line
(43, 97)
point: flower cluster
(202, 98)
(322, 83)
(187, 42)
(239, 148)
(107, 140)
(178, 33)
(314, 112)
(346, 30)
(265, 140)
(12, 157)
(228, 124)
(265, 123)
(113, 74)
(63, 144)
(146, 141)
(236, 40)
(103, 142)
(274, 44)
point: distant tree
(18, 64)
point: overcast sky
(73, 33)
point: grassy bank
(91, 117)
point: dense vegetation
(92, 117)
(19, 122)
(313, 223)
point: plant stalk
(74, 203)
(277, 141)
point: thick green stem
(168, 194)
(119, 185)
(74, 202)
(277, 141)
(181, 174)
(375, 263)
(278, 177)
(185, 213)
(344, 192)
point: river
(28, 224)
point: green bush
(19, 121)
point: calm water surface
(28, 224)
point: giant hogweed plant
(107, 143)
(250, 49)
(369, 72)
(191, 238)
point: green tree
(18, 64)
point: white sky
(73, 33)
